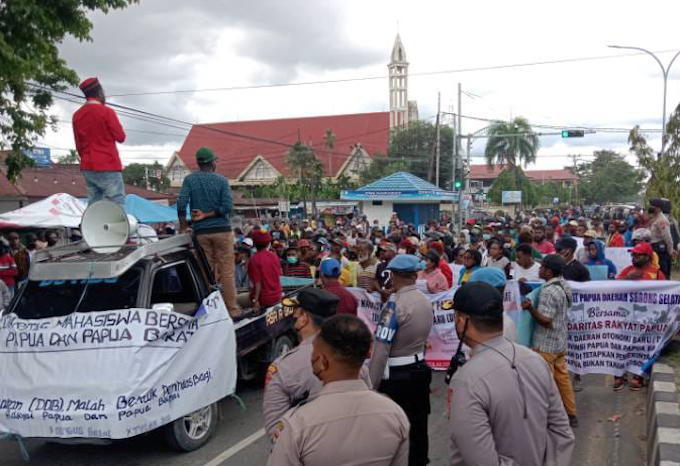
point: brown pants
(219, 250)
(558, 366)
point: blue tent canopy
(148, 212)
(399, 186)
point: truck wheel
(192, 431)
(282, 345)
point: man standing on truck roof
(96, 130)
(209, 196)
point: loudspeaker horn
(106, 227)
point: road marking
(226, 454)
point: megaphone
(106, 227)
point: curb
(663, 414)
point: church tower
(398, 73)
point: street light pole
(665, 71)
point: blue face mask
(486, 236)
(422, 265)
(292, 260)
(512, 232)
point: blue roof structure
(399, 186)
(148, 212)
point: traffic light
(573, 133)
(459, 179)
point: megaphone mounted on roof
(106, 227)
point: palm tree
(329, 143)
(511, 144)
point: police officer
(289, 378)
(505, 407)
(346, 423)
(397, 366)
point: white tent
(58, 210)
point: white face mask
(364, 258)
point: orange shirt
(649, 272)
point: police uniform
(397, 365)
(347, 424)
(290, 379)
(505, 407)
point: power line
(371, 78)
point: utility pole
(437, 144)
(456, 145)
(574, 156)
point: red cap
(643, 248)
(555, 220)
(470, 221)
(303, 243)
(436, 246)
(261, 238)
(89, 84)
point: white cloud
(207, 44)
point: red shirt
(348, 303)
(96, 130)
(265, 268)
(616, 241)
(8, 269)
(650, 272)
(545, 247)
(446, 270)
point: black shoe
(573, 422)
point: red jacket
(96, 129)
(446, 270)
(8, 269)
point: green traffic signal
(458, 184)
(573, 133)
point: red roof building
(38, 183)
(261, 156)
(486, 175)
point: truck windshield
(56, 298)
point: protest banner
(113, 374)
(443, 340)
(620, 326)
(619, 256)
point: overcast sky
(166, 45)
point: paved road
(239, 440)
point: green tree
(30, 67)
(513, 179)
(511, 143)
(381, 167)
(608, 178)
(414, 147)
(663, 171)
(72, 158)
(308, 170)
(136, 174)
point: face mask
(507, 245)
(316, 372)
(486, 236)
(292, 260)
(423, 265)
(376, 241)
(512, 232)
(363, 258)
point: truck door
(176, 283)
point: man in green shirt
(209, 197)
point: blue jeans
(105, 185)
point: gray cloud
(155, 46)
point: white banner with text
(113, 374)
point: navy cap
(566, 242)
(318, 302)
(330, 267)
(404, 263)
(478, 299)
(554, 262)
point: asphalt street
(611, 433)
